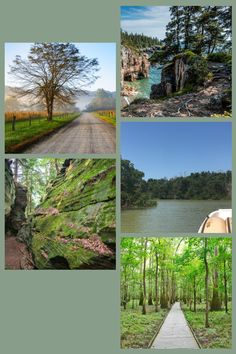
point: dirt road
(85, 135)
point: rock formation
(15, 201)
(9, 189)
(180, 73)
(74, 226)
(17, 254)
(134, 65)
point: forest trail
(16, 254)
(85, 135)
(175, 332)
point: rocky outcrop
(185, 70)
(134, 65)
(15, 202)
(9, 189)
(74, 226)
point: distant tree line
(138, 41)
(103, 100)
(136, 192)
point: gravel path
(85, 135)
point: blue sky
(104, 52)
(177, 149)
(149, 20)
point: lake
(143, 86)
(170, 216)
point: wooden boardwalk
(175, 332)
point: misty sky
(104, 52)
(149, 20)
(177, 149)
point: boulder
(74, 226)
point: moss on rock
(79, 205)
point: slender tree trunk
(141, 287)
(156, 281)
(16, 167)
(215, 302)
(125, 299)
(206, 283)
(194, 295)
(144, 311)
(225, 286)
(56, 166)
(150, 285)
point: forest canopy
(139, 41)
(137, 192)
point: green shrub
(198, 70)
(220, 57)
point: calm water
(170, 216)
(143, 87)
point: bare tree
(53, 73)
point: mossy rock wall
(74, 226)
(9, 189)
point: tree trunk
(194, 295)
(16, 166)
(225, 286)
(144, 278)
(156, 281)
(150, 285)
(50, 110)
(206, 283)
(141, 287)
(215, 302)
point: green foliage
(218, 335)
(220, 57)
(158, 56)
(198, 69)
(203, 185)
(24, 135)
(138, 41)
(134, 193)
(201, 29)
(137, 330)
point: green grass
(24, 135)
(111, 120)
(218, 335)
(137, 329)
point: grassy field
(218, 335)
(25, 134)
(137, 330)
(108, 116)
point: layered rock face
(15, 202)
(180, 73)
(9, 189)
(134, 66)
(74, 226)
